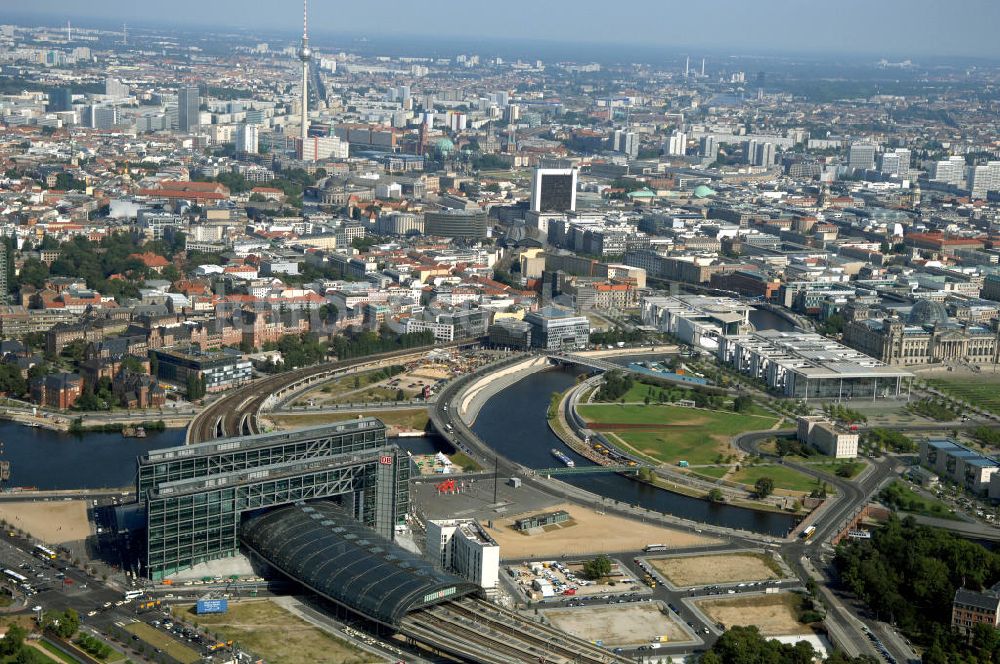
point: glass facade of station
(196, 495)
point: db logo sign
(385, 460)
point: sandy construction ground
(684, 571)
(619, 625)
(589, 533)
(53, 522)
(774, 615)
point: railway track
(235, 414)
(483, 632)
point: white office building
(317, 148)
(695, 319)
(950, 170)
(824, 436)
(462, 546)
(153, 223)
(626, 142)
(248, 138)
(861, 156)
(896, 163)
(761, 154)
(984, 179)
(677, 144)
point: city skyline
(889, 28)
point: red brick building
(971, 608)
(58, 390)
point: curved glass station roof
(320, 546)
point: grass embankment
(276, 635)
(713, 472)
(54, 654)
(42, 656)
(415, 419)
(673, 433)
(465, 462)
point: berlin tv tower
(305, 55)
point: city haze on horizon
(892, 28)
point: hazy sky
(889, 27)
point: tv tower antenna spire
(305, 55)
(69, 31)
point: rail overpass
(236, 413)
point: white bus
(655, 548)
(132, 594)
(44, 553)
(14, 576)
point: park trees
(764, 487)
(598, 567)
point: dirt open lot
(685, 571)
(276, 635)
(619, 625)
(589, 533)
(774, 615)
(53, 522)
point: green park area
(271, 632)
(845, 468)
(784, 477)
(670, 434)
(983, 389)
(714, 472)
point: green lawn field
(983, 390)
(673, 433)
(715, 472)
(783, 476)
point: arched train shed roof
(321, 547)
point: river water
(765, 320)
(46, 459)
(513, 423)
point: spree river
(514, 423)
(46, 459)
